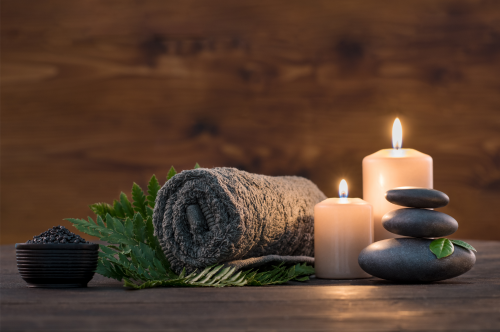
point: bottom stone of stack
(411, 260)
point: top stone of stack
(422, 198)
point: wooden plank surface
(96, 95)
(470, 302)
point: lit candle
(392, 168)
(342, 228)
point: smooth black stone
(411, 260)
(417, 197)
(419, 223)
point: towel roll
(204, 217)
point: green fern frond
(102, 209)
(224, 278)
(171, 173)
(153, 188)
(140, 201)
(119, 212)
(126, 205)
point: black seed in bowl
(57, 234)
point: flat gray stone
(419, 223)
(417, 197)
(411, 260)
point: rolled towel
(204, 217)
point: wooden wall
(98, 94)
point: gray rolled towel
(206, 216)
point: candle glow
(343, 191)
(397, 134)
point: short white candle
(342, 228)
(392, 168)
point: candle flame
(397, 134)
(343, 192)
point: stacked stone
(410, 259)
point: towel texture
(205, 216)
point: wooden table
(468, 303)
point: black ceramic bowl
(57, 265)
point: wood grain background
(98, 94)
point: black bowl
(57, 275)
(57, 265)
(55, 260)
(68, 253)
(52, 271)
(54, 267)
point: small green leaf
(118, 209)
(139, 199)
(107, 250)
(171, 173)
(110, 222)
(101, 209)
(100, 222)
(149, 212)
(153, 188)
(442, 248)
(129, 227)
(302, 279)
(463, 244)
(196, 166)
(119, 228)
(127, 207)
(139, 228)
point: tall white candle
(392, 168)
(342, 228)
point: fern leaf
(159, 266)
(114, 247)
(119, 212)
(127, 207)
(302, 279)
(139, 228)
(210, 274)
(211, 279)
(196, 166)
(88, 227)
(110, 222)
(106, 271)
(147, 253)
(154, 244)
(119, 228)
(304, 269)
(129, 227)
(195, 278)
(115, 232)
(223, 275)
(139, 199)
(106, 250)
(153, 188)
(101, 209)
(100, 223)
(149, 212)
(171, 173)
